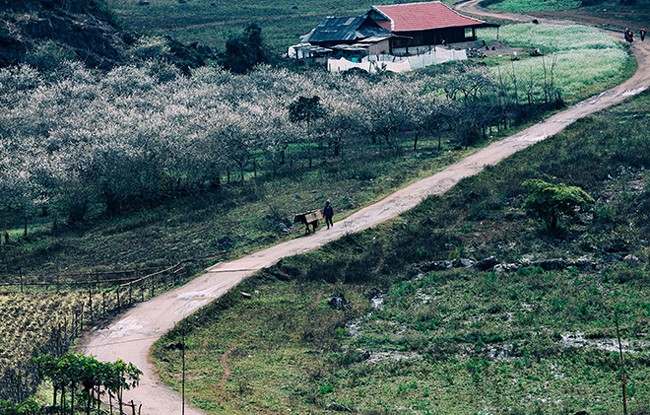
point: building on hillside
(388, 33)
(415, 26)
(344, 37)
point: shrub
(550, 202)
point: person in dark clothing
(328, 212)
(642, 34)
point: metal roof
(345, 29)
(413, 17)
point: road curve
(130, 336)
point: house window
(469, 33)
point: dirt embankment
(59, 29)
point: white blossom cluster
(77, 139)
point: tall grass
(551, 37)
(578, 58)
(531, 5)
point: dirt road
(131, 335)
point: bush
(551, 202)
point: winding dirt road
(131, 335)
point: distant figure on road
(642, 34)
(629, 35)
(328, 212)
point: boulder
(338, 302)
(463, 262)
(631, 259)
(486, 263)
(513, 267)
(436, 265)
(551, 264)
(335, 406)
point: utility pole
(183, 367)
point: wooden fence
(105, 298)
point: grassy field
(610, 14)
(461, 341)
(212, 22)
(583, 59)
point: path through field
(131, 335)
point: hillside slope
(36, 32)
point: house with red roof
(415, 25)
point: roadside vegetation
(376, 323)
(522, 6)
(519, 6)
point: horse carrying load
(309, 218)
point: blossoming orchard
(74, 142)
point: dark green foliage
(306, 110)
(245, 51)
(77, 374)
(551, 202)
(29, 407)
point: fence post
(81, 319)
(118, 298)
(152, 285)
(104, 302)
(90, 300)
(130, 293)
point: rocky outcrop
(64, 29)
(43, 33)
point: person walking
(642, 34)
(328, 212)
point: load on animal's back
(309, 218)
(313, 217)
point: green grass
(579, 59)
(212, 22)
(460, 341)
(224, 224)
(519, 6)
(552, 37)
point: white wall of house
(375, 63)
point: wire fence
(104, 294)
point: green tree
(307, 110)
(28, 407)
(245, 51)
(550, 202)
(84, 376)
